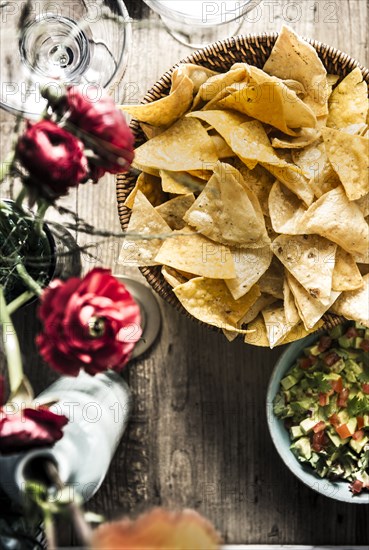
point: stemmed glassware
(61, 42)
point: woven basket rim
(125, 182)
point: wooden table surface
(198, 435)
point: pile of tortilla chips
(254, 194)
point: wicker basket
(220, 56)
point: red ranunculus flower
(91, 323)
(53, 157)
(101, 118)
(30, 428)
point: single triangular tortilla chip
(263, 301)
(276, 324)
(168, 109)
(225, 211)
(267, 99)
(189, 251)
(180, 183)
(173, 210)
(210, 301)
(333, 216)
(310, 259)
(222, 148)
(293, 57)
(290, 309)
(250, 265)
(305, 137)
(346, 274)
(146, 232)
(197, 74)
(285, 210)
(217, 83)
(184, 146)
(354, 304)
(348, 103)
(272, 280)
(310, 309)
(363, 204)
(150, 186)
(349, 156)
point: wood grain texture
(198, 435)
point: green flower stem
(21, 196)
(34, 287)
(6, 165)
(41, 211)
(11, 347)
(20, 301)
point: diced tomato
(319, 441)
(360, 422)
(337, 385)
(331, 358)
(356, 487)
(365, 388)
(319, 427)
(324, 343)
(365, 345)
(343, 431)
(334, 420)
(358, 435)
(307, 362)
(343, 397)
(323, 399)
(351, 332)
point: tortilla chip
(272, 280)
(251, 144)
(224, 122)
(197, 74)
(180, 183)
(144, 222)
(354, 305)
(216, 84)
(250, 265)
(349, 156)
(211, 302)
(349, 102)
(363, 204)
(173, 210)
(333, 216)
(173, 277)
(258, 333)
(151, 131)
(306, 137)
(346, 274)
(222, 148)
(259, 180)
(269, 100)
(310, 259)
(150, 186)
(168, 109)
(290, 309)
(293, 57)
(310, 309)
(184, 146)
(285, 210)
(314, 160)
(225, 211)
(194, 253)
(276, 324)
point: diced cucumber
(336, 440)
(336, 332)
(302, 448)
(307, 425)
(345, 342)
(296, 432)
(358, 446)
(288, 382)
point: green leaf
(364, 360)
(319, 383)
(358, 406)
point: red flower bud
(53, 157)
(29, 429)
(91, 323)
(100, 118)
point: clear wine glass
(47, 43)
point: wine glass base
(150, 314)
